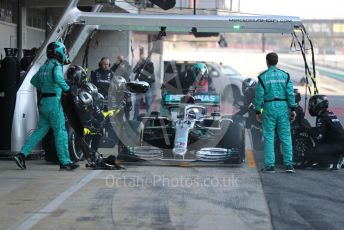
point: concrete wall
(34, 37)
(8, 36)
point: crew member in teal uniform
(275, 97)
(50, 82)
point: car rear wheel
(302, 143)
(49, 146)
(234, 138)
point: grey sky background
(305, 9)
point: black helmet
(297, 95)
(76, 75)
(316, 103)
(249, 94)
(84, 98)
(90, 88)
(248, 83)
(58, 51)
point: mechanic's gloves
(112, 112)
(292, 116)
(259, 117)
(65, 93)
(87, 131)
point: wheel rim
(300, 150)
(78, 154)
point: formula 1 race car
(187, 132)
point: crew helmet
(58, 51)
(316, 103)
(76, 75)
(248, 83)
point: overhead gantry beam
(184, 23)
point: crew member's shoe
(269, 169)
(289, 169)
(70, 166)
(19, 158)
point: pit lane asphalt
(307, 199)
(160, 197)
(140, 197)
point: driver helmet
(90, 88)
(76, 75)
(297, 95)
(317, 103)
(84, 99)
(199, 71)
(58, 51)
(192, 114)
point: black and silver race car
(188, 128)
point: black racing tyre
(234, 138)
(302, 143)
(48, 145)
(278, 152)
(239, 119)
(75, 151)
(257, 139)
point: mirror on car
(137, 86)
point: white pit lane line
(32, 220)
